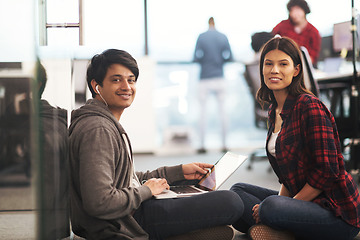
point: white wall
(139, 119)
(58, 91)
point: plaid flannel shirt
(308, 151)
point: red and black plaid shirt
(308, 151)
(309, 37)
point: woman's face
(279, 70)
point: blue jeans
(307, 220)
(162, 218)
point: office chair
(308, 70)
(252, 77)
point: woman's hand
(157, 185)
(256, 213)
(195, 170)
(307, 193)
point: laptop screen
(221, 171)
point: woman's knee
(269, 206)
(239, 187)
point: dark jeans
(162, 218)
(307, 220)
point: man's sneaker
(263, 232)
(214, 233)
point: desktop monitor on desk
(337, 49)
(342, 37)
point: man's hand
(157, 185)
(195, 170)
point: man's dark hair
(211, 20)
(100, 63)
(300, 3)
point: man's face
(297, 15)
(119, 88)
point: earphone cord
(103, 99)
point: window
(60, 22)
(114, 24)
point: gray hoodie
(102, 200)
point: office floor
(21, 225)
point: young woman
(317, 199)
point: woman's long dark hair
(297, 87)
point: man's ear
(93, 85)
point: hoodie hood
(93, 107)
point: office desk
(335, 80)
(337, 88)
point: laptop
(211, 181)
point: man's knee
(232, 202)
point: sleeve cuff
(174, 173)
(144, 192)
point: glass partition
(35, 96)
(18, 177)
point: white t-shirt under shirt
(135, 180)
(271, 144)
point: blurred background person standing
(211, 52)
(299, 29)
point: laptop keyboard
(183, 189)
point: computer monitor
(342, 37)
(326, 50)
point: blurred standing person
(211, 52)
(299, 29)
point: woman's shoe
(263, 232)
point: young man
(299, 29)
(108, 199)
